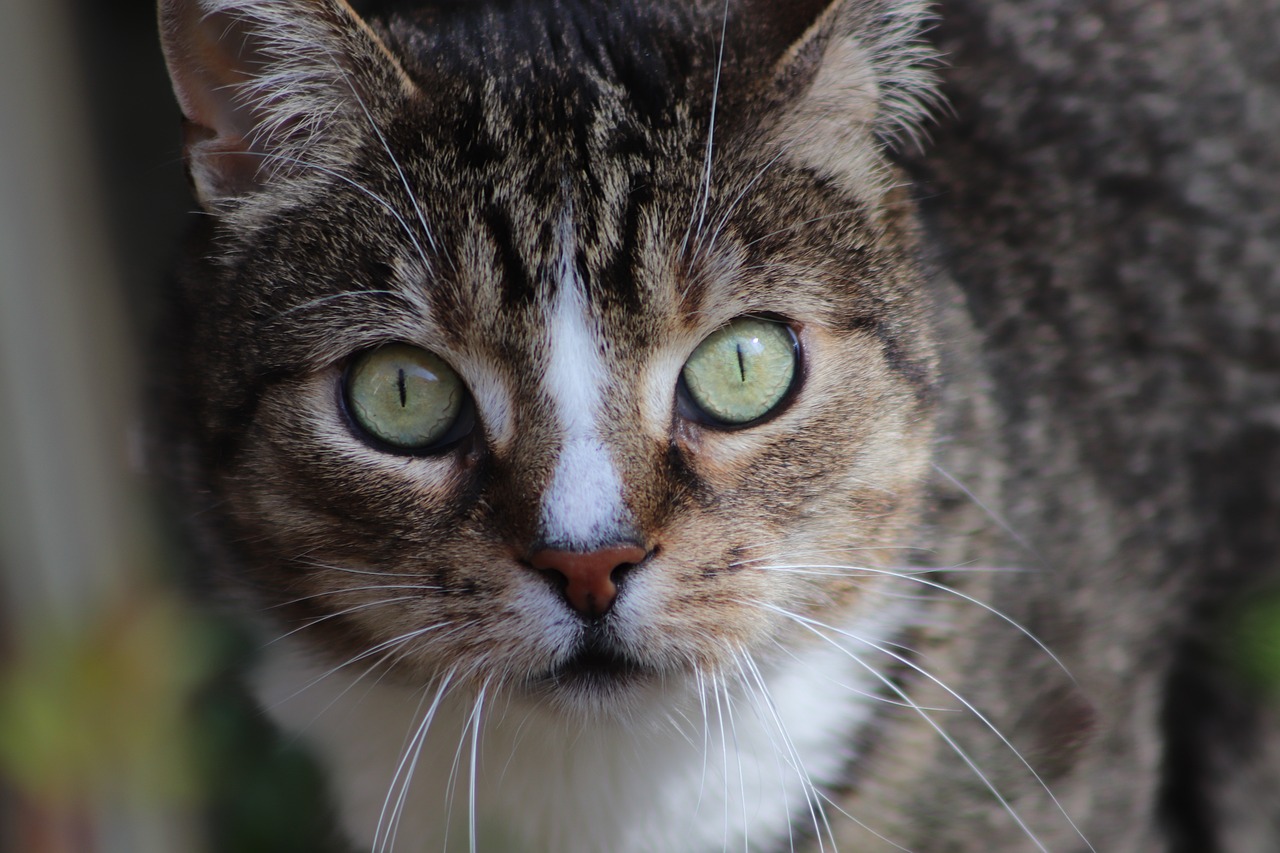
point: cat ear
(851, 76)
(271, 89)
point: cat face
(534, 365)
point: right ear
(848, 78)
(272, 89)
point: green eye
(742, 372)
(405, 397)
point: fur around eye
(741, 373)
(406, 398)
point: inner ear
(212, 58)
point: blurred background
(122, 726)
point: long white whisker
(737, 751)
(338, 613)
(874, 697)
(797, 225)
(340, 590)
(315, 564)
(814, 626)
(414, 747)
(409, 747)
(322, 300)
(993, 515)
(754, 696)
(475, 753)
(711, 132)
(386, 146)
(367, 653)
(333, 173)
(472, 719)
(913, 577)
(701, 681)
(813, 801)
(718, 687)
(710, 243)
(883, 649)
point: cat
(640, 426)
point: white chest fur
(726, 767)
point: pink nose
(588, 580)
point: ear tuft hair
(904, 63)
(271, 88)
(859, 81)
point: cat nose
(588, 580)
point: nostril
(588, 580)
(557, 577)
(620, 571)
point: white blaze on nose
(583, 504)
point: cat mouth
(593, 666)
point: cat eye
(407, 398)
(741, 373)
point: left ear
(272, 89)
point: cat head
(528, 344)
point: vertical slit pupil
(400, 384)
(742, 367)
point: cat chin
(700, 762)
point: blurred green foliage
(104, 707)
(145, 706)
(1257, 641)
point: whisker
(742, 784)
(993, 515)
(941, 587)
(986, 722)
(797, 225)
(711, 132)
(315, 564)
(755, 699)
(472, 719)
(343, 590)
(701, 682)
(415, 747)
(812, 796)
(337, 614)
(324, 300)
(333, 173)
(475, 752)
(406, 747)
(814, 626)
(367, 653)
(827, 799)
(718, 687)
(874, 697)
(733, 205)
(386, 146)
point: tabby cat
(627, 440)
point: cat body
(445, 387)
